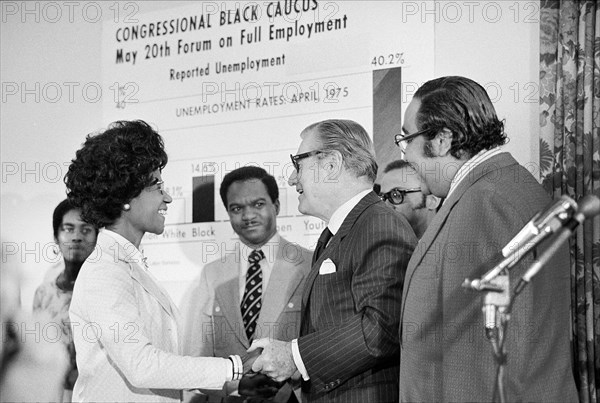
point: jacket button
(218, 309)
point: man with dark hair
(253, 292)
(348, 345)
(453, 139)
(402, 188)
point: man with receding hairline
(402, 188)
(348, 345)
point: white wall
(38, 137)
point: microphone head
(563, 209)
(589, 206)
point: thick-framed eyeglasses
(396, 195)
(298, 157)
(407, 138)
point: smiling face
(252, 212)
(148, 210)
(76, 239)
(311, 181)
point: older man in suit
(240, 297)
(348, 345)
(453, 138)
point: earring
(55, 250)
(126, 206)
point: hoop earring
(126, 206)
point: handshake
(256, 384)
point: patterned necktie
(251, 302)
(322, 243)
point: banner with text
(229, 84)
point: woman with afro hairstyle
(125, 326)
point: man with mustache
(253, 292)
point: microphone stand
(496, 309)
(497, 301)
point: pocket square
(327, 267)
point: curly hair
(112, 168)
(462, 106)
(248, 173)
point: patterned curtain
(570, 159)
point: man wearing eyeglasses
(453, 138)
(402, 189)
(348, 345)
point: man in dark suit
(348, 345)
(453, 137)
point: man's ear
(277, 206)
(334, 164)
(442, 143)
(432, 202)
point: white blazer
(126, 334)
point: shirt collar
(339, 215)
(270, 249)
(470, 165)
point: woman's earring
(126, 206)
(55, 250)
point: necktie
(251, 302)
(322, 243)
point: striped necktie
(251, 302)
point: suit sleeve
(106, 305)
(380, 249)
(197, 325)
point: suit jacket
(349, 338)
(211, 308)
(445, 354)
(126, 333)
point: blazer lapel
(283, 282)
(137, 273)
(369, 199)
(227, 294)
(489, 166)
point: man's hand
(276, 360)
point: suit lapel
(138, 274)
(227, 295)
(491, 165)
(285, 278)
(334, 243)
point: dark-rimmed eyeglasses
(396, 195)
(407, 138)
(298, 157)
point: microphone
(540, 227)
(589, 207)
(563, 206)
